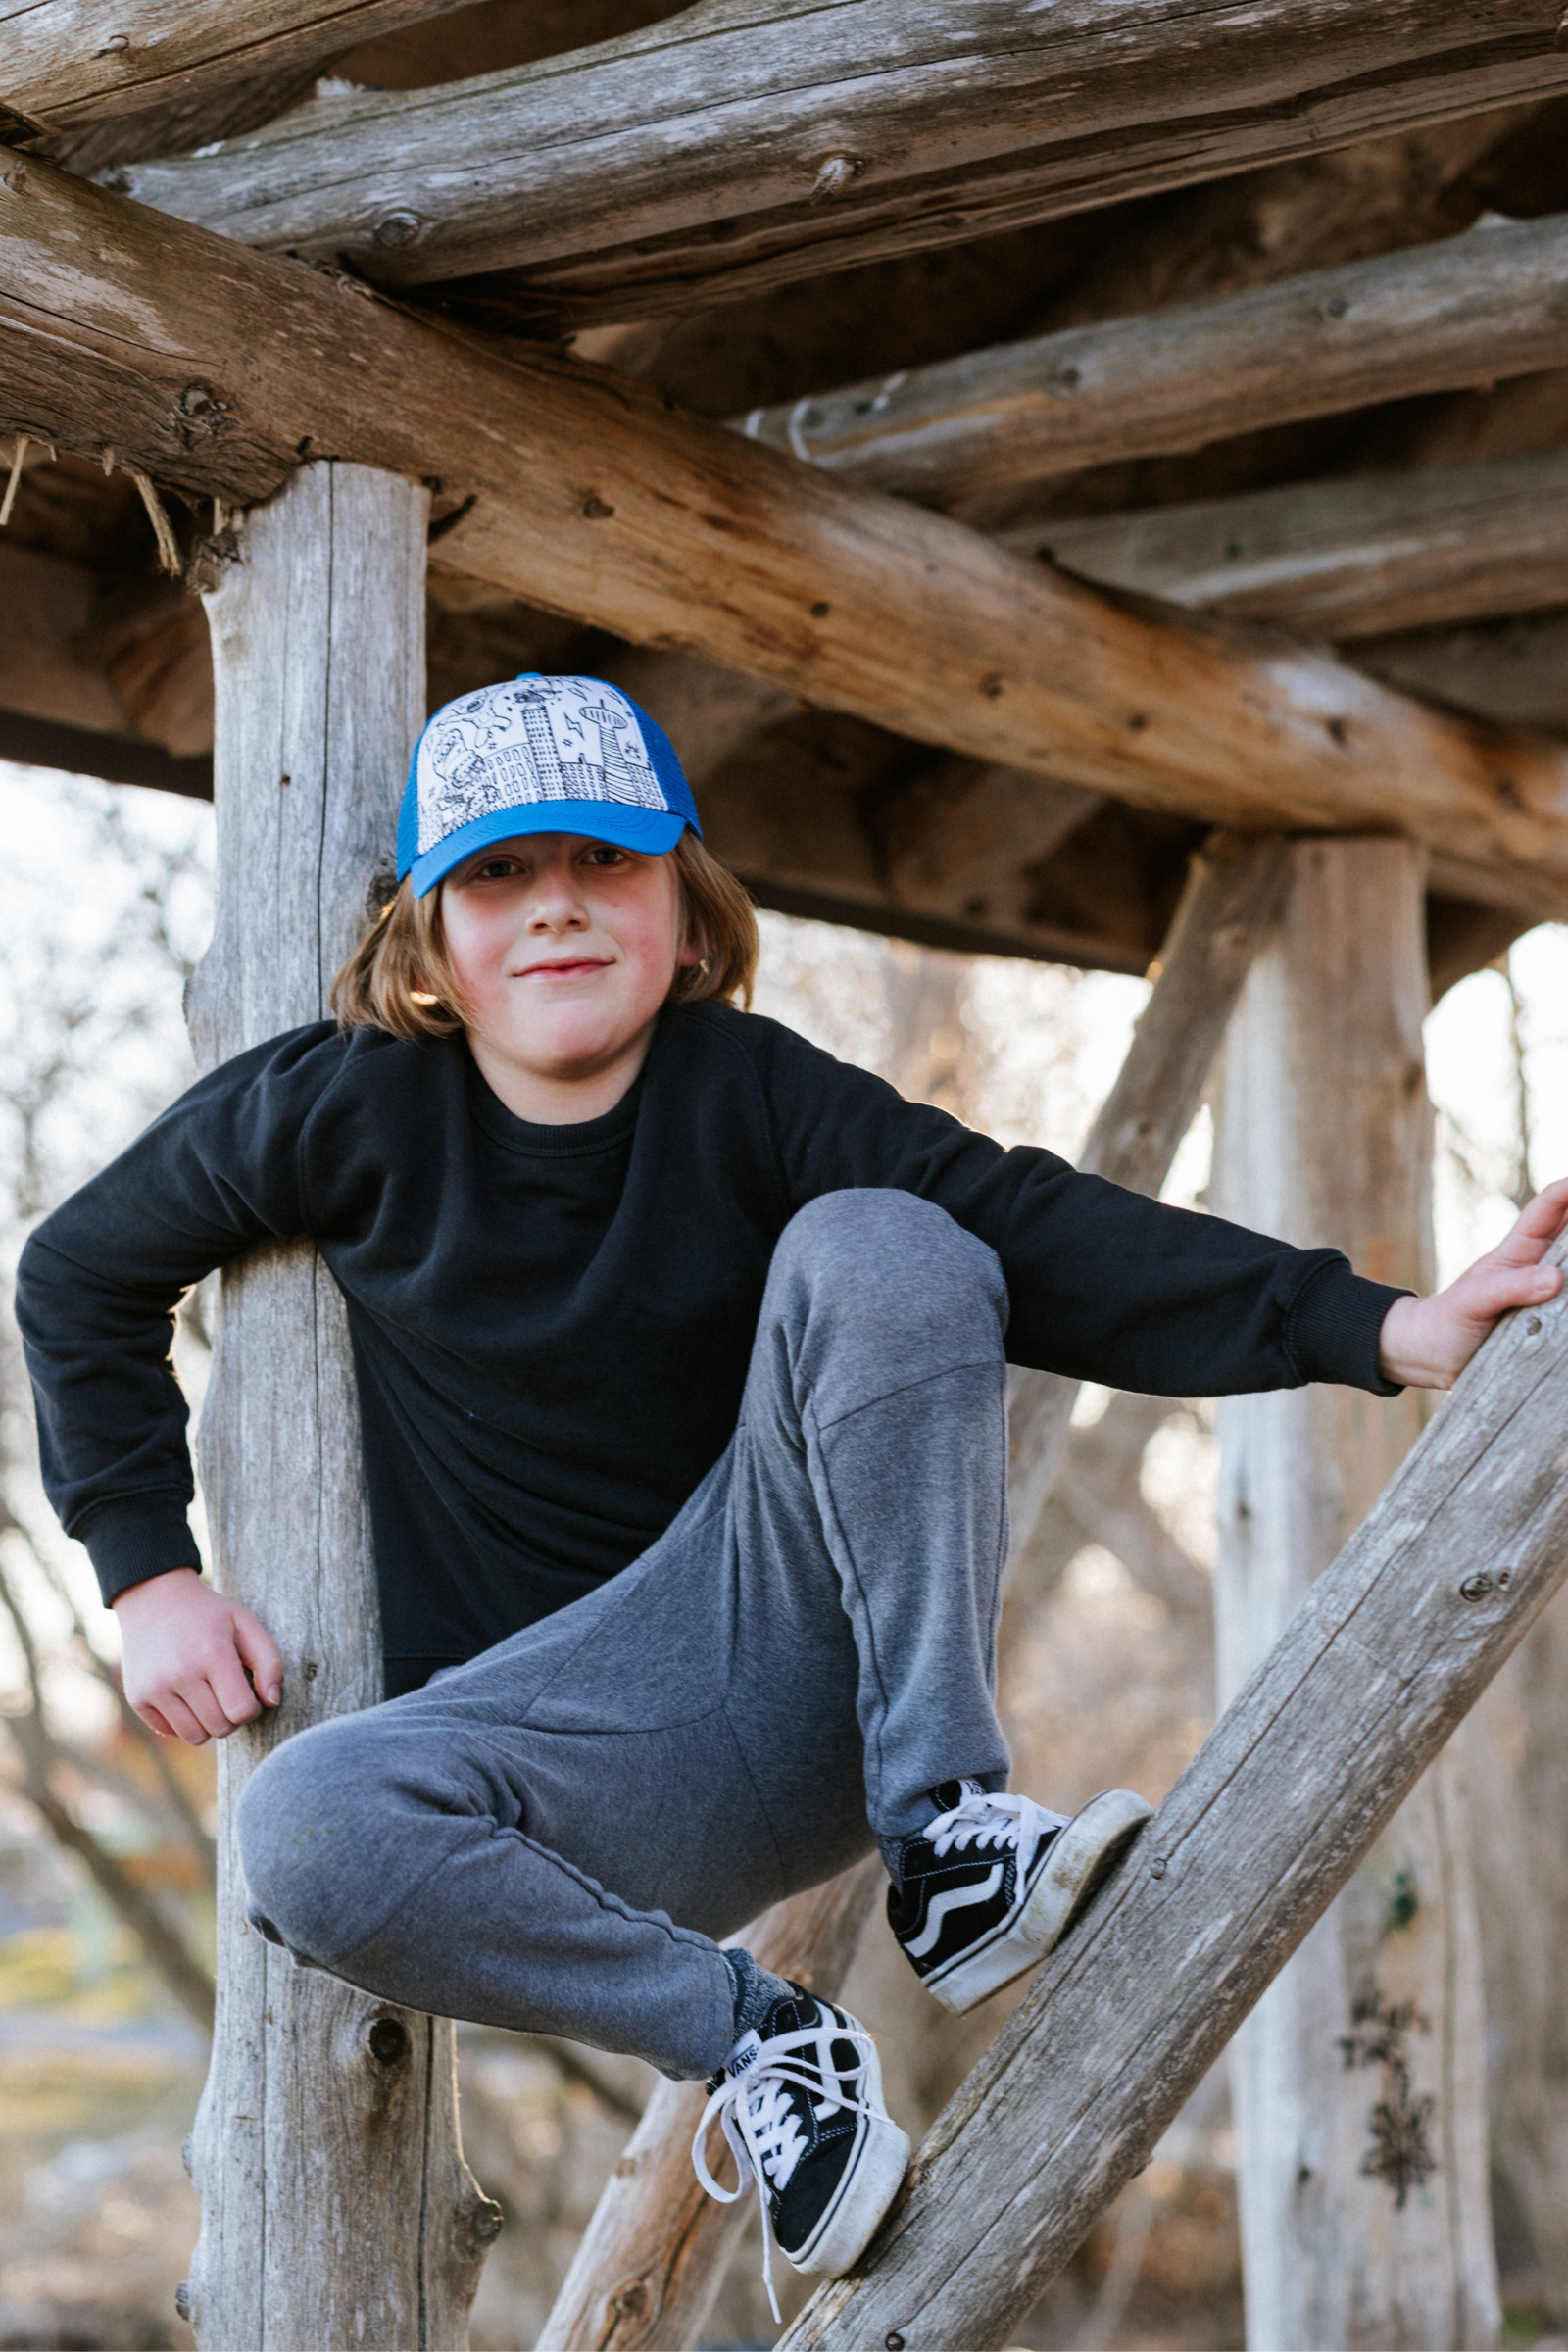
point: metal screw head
(894, 2342)
(1159, 1867)
(1477, 1587)
(397, 228)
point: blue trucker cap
(539, 754)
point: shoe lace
(761, 2120)
(986, 1819)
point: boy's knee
(301, 1825)
(898, 1252)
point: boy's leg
(690, 1737)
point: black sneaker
(802, 2108)
(993, 1883)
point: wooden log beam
(1392, 1646)
(1440, 317)
(1323, 1135)
(220, 370)
(322, 2102)
(183, 73)
(723, 150)
(1358, 556)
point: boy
(680, 1357)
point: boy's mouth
(565, 967)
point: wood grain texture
(1354, 558)
(215, 368)
(1361, 2160)
(1438, 318)
(651, 2260)
(735, 146)
(336, 2208)
(183, 73)
(1226, 911)
(1390, 1647)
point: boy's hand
(1427, 1342)
(191, 1658)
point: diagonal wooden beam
(1392, 1646)
(732, 147)
(1436, 319)
(1350, 558)
(220, 371)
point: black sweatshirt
(551, 1325)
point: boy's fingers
(153, 1721)
(260, 1654)
(231, 1691)
(182, 1722)
(1541, 1219)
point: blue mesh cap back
(539, 754)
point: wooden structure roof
(999, 443)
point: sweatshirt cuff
(136, 1537)
(1333, 1327)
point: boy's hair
(398, 978)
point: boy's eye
(604, 852)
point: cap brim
(654, 831)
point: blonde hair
(399, 979)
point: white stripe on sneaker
(957, 1898)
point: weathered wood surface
(1515, 670)
(1357, 556)
(336, 2208)
(1351, 2234)
(213, 369)
(1438, 318)
(1390, 1647)
(651, 2260)
(66, 63)
(1225, 913)
(958, 842)
(726, 148)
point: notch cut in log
(213, 369)
(1392, 1646)
(724, 151)
(321, 2103)
(651, 2260)
(1354, 558)
(1436, 319)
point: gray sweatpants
(551, 1837)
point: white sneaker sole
(871, 2183)
(1081, 1858)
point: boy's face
(565, 948)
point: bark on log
(1390, 1648)
(650, 2262)
(720, 151)
(213, 369)
(1359, 2081)
(336, 2208)
(190, 70)
(1351, 558)
(1437, 319)
(1226, 911)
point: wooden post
(650, 2262)
(1359, 2081)
(1390, 1648)
(1230, 901)
(336, 2208)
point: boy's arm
(1427, 1342)
(196, 1665)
